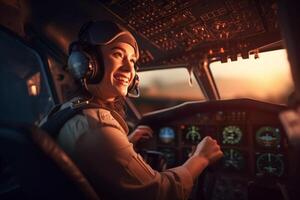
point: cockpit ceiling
(180, 31)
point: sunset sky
(267, 78)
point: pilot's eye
(118, 54)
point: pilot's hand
(208, 149)
(142, 132)
(207, 152)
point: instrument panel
(248, 131)
(234, 141)
(239, 141)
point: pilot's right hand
(208, 149)
(207, 152)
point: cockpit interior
(183, 96)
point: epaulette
(60, 114)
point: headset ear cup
(84, 63)
(97, 67)
(78, 64)
(133, 89)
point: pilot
(104, 60)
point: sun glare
(267, 78)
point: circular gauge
(231, 135)
(233, 159)
(166, 135)
(270, 164)
(192, 134)
(268, 136)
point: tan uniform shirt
(98, 143)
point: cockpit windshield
(265, 78)
(165, 88)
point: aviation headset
(86, 64)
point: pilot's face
(119, 60)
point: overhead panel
(181, 28)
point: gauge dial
(270, 164)
(166, 135)
(233, 159)
(231, 135)
(193, 134)
(268, 137)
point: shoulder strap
(57, 118)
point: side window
(165, 88)
(25, 94)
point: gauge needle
(269, 157)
